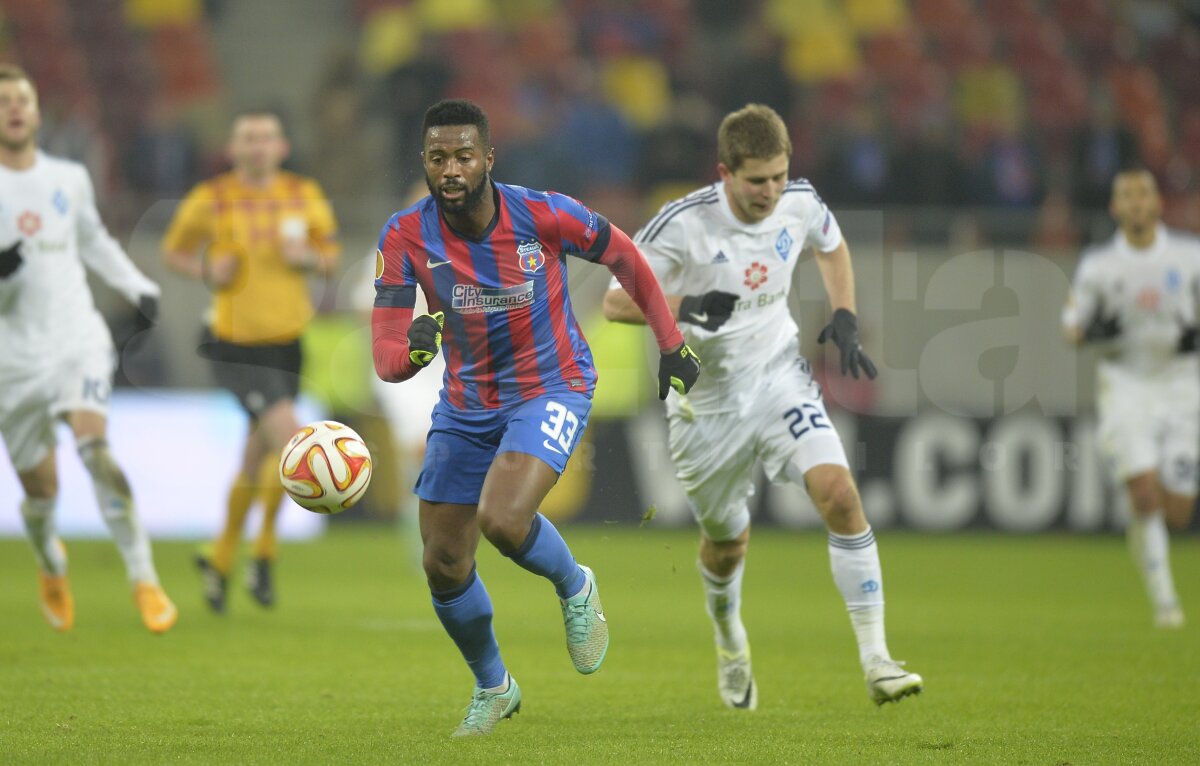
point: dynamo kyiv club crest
(783, 244)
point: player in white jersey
(725, 256)
(58, 356)
(1137, 295)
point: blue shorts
(462, 443)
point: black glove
(1187, 340)
(147, 313)
(1101, 328)
(10, 259)
(709, 311)
(843, 331)
(678, 370)
(425, 338)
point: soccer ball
(325, 467)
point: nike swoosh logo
(745, 701)
(434, 264)
(700, 318)
(600, 616)
(546, 443)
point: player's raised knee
(42, 482)
(722, 557)
(1145, 495)
(503, 528)
(446, 570)
(40, 488)
(99, 461)
(835, 496)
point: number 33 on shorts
(548, 427)
(560, 426)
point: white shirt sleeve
(666, 253)
(1085, 297)
(103, 254)
(823, 231)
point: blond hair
(755, 131)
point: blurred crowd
(1010, 104)
(1025, 108)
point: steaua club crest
(756, 275)
(29, 223)
(530, 256)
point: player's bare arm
(302, 256)
(619, 307)
(838, 275)
(709, 310)
(217, 272)
(187, 261)
(1071, 331)
(305, 249)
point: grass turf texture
(1034, 650)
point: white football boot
(888, 681)
(735, 681)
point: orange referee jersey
(268, 301)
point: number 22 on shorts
(796, 417)
(560, 427)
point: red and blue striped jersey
(510, 333)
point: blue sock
(466, 614)
(545, 553)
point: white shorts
(715, 454)
(30, 406)
(1151, 424)
(407, 406)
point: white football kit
(57, 351)
(756, 398)
(1148, 394)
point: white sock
(501, 688)
(723, 601)
(585, 588)
(38, 513)
(116, 506)
(1147, 538)
(854, 560)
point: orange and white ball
(325, 467)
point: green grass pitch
(1035, 650)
